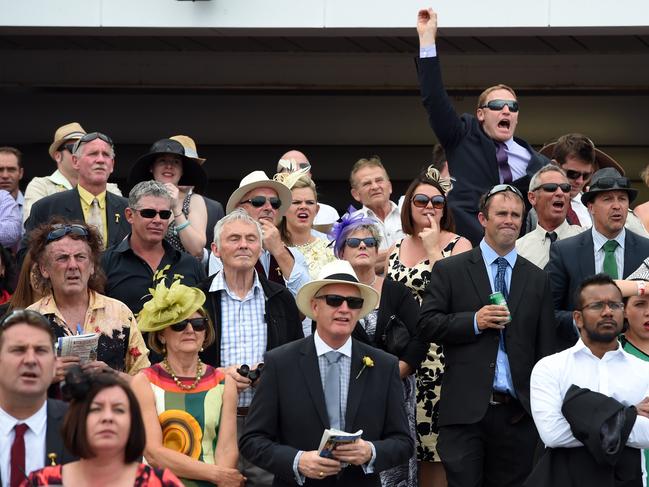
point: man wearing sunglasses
(550, 197)
(329, 380)
(607, 247)
(482, 149)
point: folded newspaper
(331, 438)
(82, 346)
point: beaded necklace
(199, 375)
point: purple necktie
(503, 165)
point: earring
(201, 349)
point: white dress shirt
(617, 374)
(390, 228)
(582, 211)
(34, 441)
(598, 243)
(535, 245)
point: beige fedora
(336, 272)
(190, 147)
(70, 131)
(258, 179)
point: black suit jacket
(288, 413)
(571, 261)
(471, 153)
(459, 287)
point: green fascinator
(169, 305)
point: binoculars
(252, 374)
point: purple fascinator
(347, 224)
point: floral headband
(445, 183)
(353, 218)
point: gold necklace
(199, 375)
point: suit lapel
(489, 148)
(356, 386)
(73, 208)
(518, 283)
(53, 442)
(587, 254)
(629, 254)
(478, 274)
(311, 371)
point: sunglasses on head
(576, 174)
(90, 137)
(335, 301)
(422, 200)
(151, 213)
(606, 183)
(552, 187)
(259, 201)
(354, 242)
(60, 230)
(501, 188)
(497, 105)
(198, 324)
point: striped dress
(189, 419)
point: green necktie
(610, 265)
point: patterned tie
(332, 389)
(503, 165)
(571, 216)
(94, 218)
(499, 281)
(17, 456)
(610, 264)
(552, 236)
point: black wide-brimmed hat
(608, 179)
(193, 173)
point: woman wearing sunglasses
(189, 408)
(356, 240)
(428, 224)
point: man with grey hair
(250, 315)
(549, 194)
(144, 257)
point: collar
(561, 231)
(219, 284)
(369, 212)
(20, 199)
(59, 179)
(36, 422)
(87, 197)
(47, 305)
(599, 240)
(321, 347)
(125, 245)
(490, 255)
(581, 348)
(508, 143)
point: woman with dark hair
(7, 274)
(189, 407)
(428, 224)
(103, 427)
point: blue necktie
(332, 389)
(499, 281)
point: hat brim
(590, 195)
(193, 174)
(309, 290)
(54, 146)
(283, 193)
(602, 159)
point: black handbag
(395, 336)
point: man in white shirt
(598, 363)
(28, 362)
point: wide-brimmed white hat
(258, 179)
(336, 272)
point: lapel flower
(52, 458)
(367, 362)
(135, 352)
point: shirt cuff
(428, 51)
(299, 478)
(475, 325)
(369, 467)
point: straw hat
(258, 179)
(70, 131)
(190, 147)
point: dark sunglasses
(90, 137)
(552, 187)
(422, 200)
(198, 324)
(576, 174)
(151, 213)
(60, 230)
(335, 301)
(606, 183)
(259, 201)
(354, 242)
(67, 147)
(501, 188)
(498, 105)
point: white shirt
(327, 215)
(535, 246)
(582, 211)
(390, 228)
(617, 374)
(518, 158)
(34, 441)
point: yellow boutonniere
(367, 362)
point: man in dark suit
(482, 150)
(607, 247)
(487, 436)
(29, 422)
(328, 380)
(93, 159)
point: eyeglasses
(60, 230)
(498, 105)
(90, 137)
(259, 201)
(501, 188)
(198, 324)
(336, 301)
(599, 305)
(422, 200)
(354, 242)
(151, 213)
(570, 174)
(606, 183)
(552, 187)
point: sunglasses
(421, 201)
(90, 137)
(354, 242)
(67, 147)
(60, 230)
(501, 188)
(151, 213)
(259, 201)
(606, 183)
(498, 105)
(552, 187)
(335, 301)
(576, 174)
(198, 324)
(23, 315)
